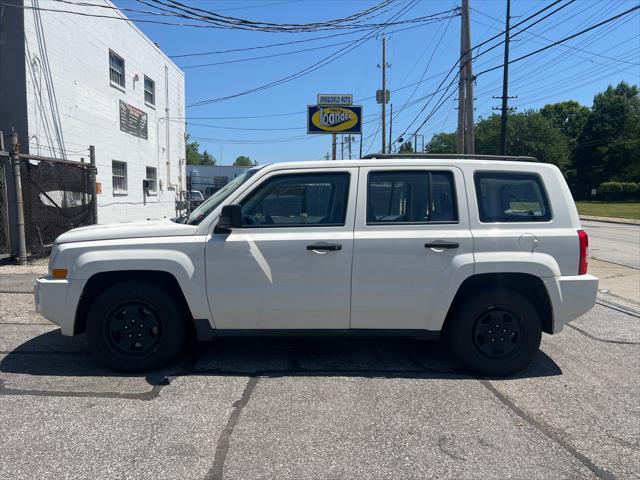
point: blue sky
(274, 125)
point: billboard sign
(133, 120)
(331, 99)
(343, 119)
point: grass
(617, 210)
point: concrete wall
(76, 51)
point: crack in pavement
(222, 448)
(550, 433)
(603, 340)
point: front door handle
(442, 244)
(328, 247)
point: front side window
(119, 177)
(511, 197)
(152, 179)
(149, 91)
(116, 69)
(307, 199)
(410, 197)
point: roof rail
(460, 156)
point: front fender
(184, 261)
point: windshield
(217, 198)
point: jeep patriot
(484, 252)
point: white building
(87, 80)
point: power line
(321, 47)
(592, 27)
(321, 63)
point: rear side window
(298, 200)
(511, 197)
(410, 197)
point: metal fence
(58, 196)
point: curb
(622, 221)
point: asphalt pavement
(322, 409)
(614, 242)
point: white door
(289, 266)
(412, 242)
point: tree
(406, 147)
(442, 143)
(192, 152)
(608, 148)
(568, 117)
(207, 159)
(193, 155)
(243, 161)
(528, 134)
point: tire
(491, 351)
(136, 327)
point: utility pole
(505, 84)
(333, 146)
(92, 177)
(384, 94)
(342, 147)
(466, 138)
(15, 163)
(390, 128)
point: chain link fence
(5, 247)
(58, 196)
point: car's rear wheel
(495, 333)
(136, 326)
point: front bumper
(571, 297)
(57, 300)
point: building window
(116, 69)
(152, 179)
(119, 176)
(149, 91)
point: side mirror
(230, 217)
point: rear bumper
(57, 300)
(571, 297)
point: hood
(162, 228)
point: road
(613, 242)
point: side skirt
(206, 333)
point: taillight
(584, 251)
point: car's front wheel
(495, 333)
(136, 326)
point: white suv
(484, 252)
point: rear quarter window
(511, 197)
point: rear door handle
(329, 247)
(442, 244)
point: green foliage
(617, 191)
(442, 143)
(591, 145)
(568, 117)
(207, 159)
(192, 152)
(608, 147)
(406, 147)
(193, 155)
(528, 134)
(243, 161)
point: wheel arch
(530, 286)
(98, 282)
